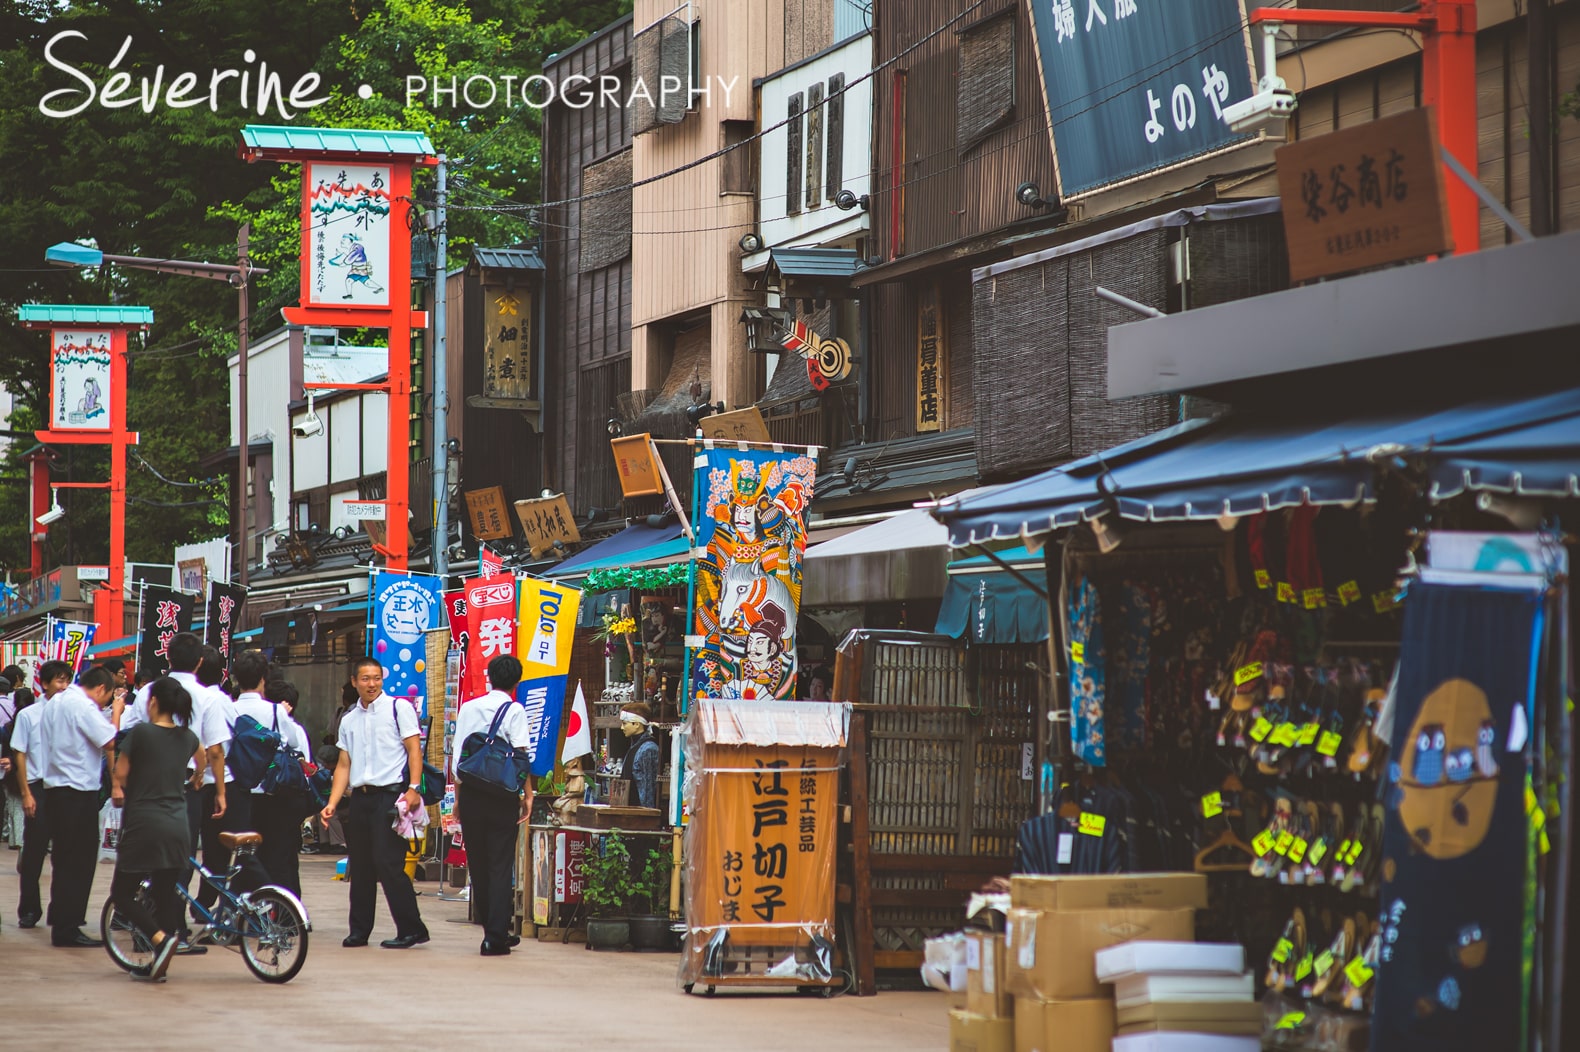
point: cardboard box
(1050, 956)
(986, 994)
(1180, 1042)
(1155, 891)
(975, 1033)
(1134, 990)
(1063, 1026)
(1169, 958)
(1174, 1015)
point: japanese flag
(578, 737)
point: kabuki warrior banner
(80, 380)
(348, 257)
(752, 532)
(164, 612)
(224, 613)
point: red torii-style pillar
(371, 244)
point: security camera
(310, 426)
(52, 516)
(1275, 104)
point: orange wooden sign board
(637, 462)
(738, 425)
(546, 520)
(1364, 196)
(489, 514)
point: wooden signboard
(637, 461)
(738, 425)
(489, 514)
(932, 362)
(1364, 196)
(546, 520)
(507, 343)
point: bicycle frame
(234, 906)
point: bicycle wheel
(127, 947)
(274, 943)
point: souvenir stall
(1335, 687)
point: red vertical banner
(491, 628)
(455, 610)
(489, 563)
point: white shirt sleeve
(297, 737)
(215, 728)
(405, 719)
(516, 728)
(137, 711)
(22, 737)
(93, 724)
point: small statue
(575, 787)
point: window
(985, 89)
(736, 174)
(793, 157)
(666, 49)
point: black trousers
(166, 914)
(488, 827)
(35, 845)
(377, 856)
(279, 822)
(236, 819)
(74, 831)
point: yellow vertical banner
(547, 629)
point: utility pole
(441, 394)
(245, 452)
(1539, 64)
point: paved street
(425, 997)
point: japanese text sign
(1135, 86)
(507, 343)
(546, 520)
(738, 425)
(224, 613)
(80, 386)
(347, 230)
(405, 607)
(165, 612)
(1364, 196)
(489, 514)
(70, 640)
(932, 362)
(637, 462)
(490, 627)
(547, 629)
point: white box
(1169, 958)
(1149, 989)
(1168, 1041)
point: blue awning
(632, 546)
(984, 604)
(1240, 464)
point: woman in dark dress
(156, 841)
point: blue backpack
(252, 749)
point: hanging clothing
(1087, 672)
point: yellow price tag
(1246, 673)
(1263, 843)
(1323, 962)
(1286, 592)
(1344, 849)
(1318, 849)
(1355, 853)
(1078, 653)
(1308, 733)
(1212, 805)
(1285, 839)
(1290, 1020)
(1285, 734)
(1281, 950)
(1261, 729)
(1358, 972)
(1349, 592)
(1328, 743)
(1092, 825)
(1263, 580)
(1382, 602)
(1297, 850)
(1312, 598)
(1303, 968)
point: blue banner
(1137, 85)
(544, 700)
(405, 607)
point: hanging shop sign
(932, 362)
(80, 383)
(1364, 196)
(546, 520)
(405, 607)
(507, 343)
(751, 535)
(489, 562)
(1135, 87)
(489, 514)
(69, 641)
(346, 222)
(164, 612)
(224, 612)
(828, 359)
(547, 626)
(738, 425)
(490, 621)
(637, 463)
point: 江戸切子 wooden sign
(1364, 196)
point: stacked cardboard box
(1180, 996)
(1055, 927)
(985, 1024)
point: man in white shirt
(489, 816)
(31, 757)
(79, 738)
(278, 820)
(380, 762)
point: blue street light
(71, 254)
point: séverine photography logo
(254, 87)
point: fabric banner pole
(142, 589)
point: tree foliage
(167, 183)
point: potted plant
(650, 929)
(610, 887)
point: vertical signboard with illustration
(405, 607)
(79, 368)
(751, 536)
(347, 211)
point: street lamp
(238, 275)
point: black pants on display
(236, 819)
(488, 828)
(166, 913)
(74, 832)
(35, 845)
(377, 856)
(278, 819)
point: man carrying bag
(494, 733)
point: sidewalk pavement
(428, 997)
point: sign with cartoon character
(751, 536)
(80, 388)
(405, 607)
(346, 216)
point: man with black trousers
(31, 758)
(277, 819)
(489, 816)
(79, 738)
(380, 763)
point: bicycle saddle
(232, 841)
